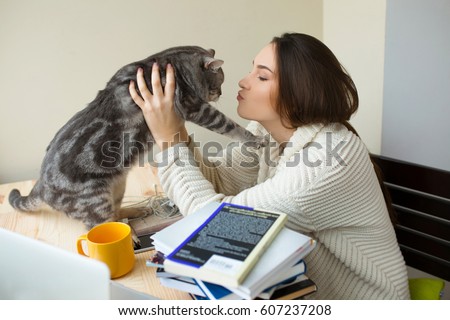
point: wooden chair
(420, 196)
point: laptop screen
(31, 269)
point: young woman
(315, 169)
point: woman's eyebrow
(261, 66)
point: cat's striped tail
(29, 203)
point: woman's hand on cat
(158, 108)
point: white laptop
(31, 269)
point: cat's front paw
(258, 141)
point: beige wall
(55, 55)
(355, 31)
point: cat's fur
(82, 173)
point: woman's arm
(234, 169)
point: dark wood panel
(422, 243)
(423, 223)
(432, 206)
(414, 176)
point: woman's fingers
(161, 96)
(156, 82)
(135, 95)
(146, 94)
(158, 107)
(169, 89)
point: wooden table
(57, 229)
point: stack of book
(225, 251)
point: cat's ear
(213, 64)
(212, 51)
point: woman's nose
(243, 83)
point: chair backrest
(421, 198)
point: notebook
(32, 269)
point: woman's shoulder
(341, 151)
(336, 138)
(325, 148)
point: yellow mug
(112, 244)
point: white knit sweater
(325, 182)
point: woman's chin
(243, 114)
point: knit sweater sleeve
(234, 168)
(185, 183)
(221, 170)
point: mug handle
(79, 246)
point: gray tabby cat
(81, 174)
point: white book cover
(224, 249)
